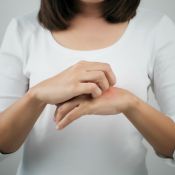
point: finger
(97, 77)
(105, 67)
(70, 117)
(65, 108)
(89, 88)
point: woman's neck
(91, 9)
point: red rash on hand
(110, 93)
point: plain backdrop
(11, 8)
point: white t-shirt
(143, 58)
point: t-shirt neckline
(116, 44)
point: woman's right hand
(82, 78)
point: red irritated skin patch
(112, 101)
(112, 94)
(109, 93)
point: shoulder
(159, 30)
(148, 16)
(147, 19)
(19, 35)
(26, 24)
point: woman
(87, 65)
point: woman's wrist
(132, 103)
(33, 96)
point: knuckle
(79, 64)
(107, 66)
(92, 87)
(101, 75)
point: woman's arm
(155, 126)
(17, 121)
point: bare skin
(158, 130)
(88, 31)
(82, 78)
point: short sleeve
(13, 83)
(162, 69)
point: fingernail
(57, 127)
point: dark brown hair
(56, 14)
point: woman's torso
(96, 145)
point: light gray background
(11, 8)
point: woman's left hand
(112, 101)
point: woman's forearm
(158, 129)
(17, 121)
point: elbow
(165, 154)
(7, 148)
(166, 151)
(6, 151)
